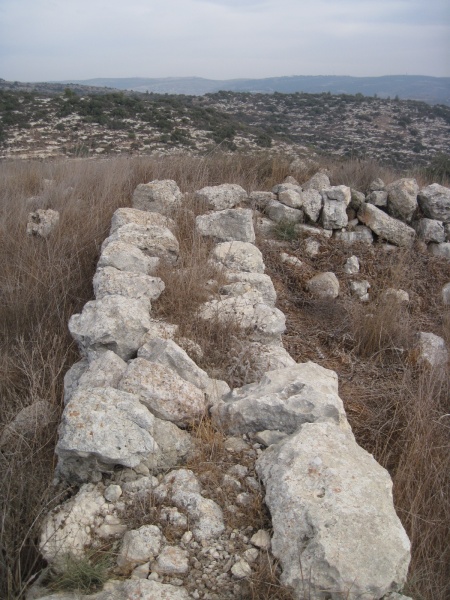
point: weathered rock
(290, 197)
(308, 230)
(139, 546)
(440, 250)
(261, 539)
(241, 569)
(312, 204)
(227, 225)
(100, 428)
(127, 257)
(28, 422)
(172, 561)
(280, 213)
(174, 444)
(293, 261)
(391, 295)
(73, 526)
(168, 353)
(386, 227)
(446, 294)
(113, 493)
(259, 200)
(432, 350)
(160, 329)
(123, 216)
(357, 198)
(269, 437)
(112, 323)
(153, 240)
(109, 281)
(377, 185)
(42, 222)
(130, 589)
(312, 247)
(161, 196)
(247, 311)
(434, 200)
(164, 392)
(351, 265)
(105, 370)
(324, 285)
(447, 231)
(360, 234)
(319, 182)
(283, 400)
(258, 281)
(430, 230)
(217, 389)
(360, 289)
(238, 256)
(220, 197)
(286, 186)
(402, 198)
(378, 198)
(335, 202)
(323, 490)
(268, 357)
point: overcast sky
(222, 39)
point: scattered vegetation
(84, 574)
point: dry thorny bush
(397, 411)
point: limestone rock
(130, 589)
(238, 256)
(279, 213)
(351, 266)
(220, 197)
(164, 392)
(241, 569)
(123, 216)
(318, 182)
(258, 281)
(309, 230)
(247, 311)
(105, 370)
(261, 539)
(432, 350)
(112, 323)
(312, 204)
(172, 561)
(139, 546)
(323, 490)
(290, 197)
(161, 196)
(127, 257)
(335, 202)
(169, 354)
(360, 234)
(283, 400)
(42, 222)
(324, 285)
(153, 240)
(160, 329)
(440, 250)
(260, 200)
(357, 199)
(174, 444)
(391, 295)
(377, 185)
(312, 247)
(430, 230)
(293, 261)
(100, 428)
(28, 422)
(109, 281)
(227, 225)
(434, 200)
(378, 198)
(402, 198)
(360, 289)
(386, 227)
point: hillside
(75, 123)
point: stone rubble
(133, 397)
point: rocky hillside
(400, 133)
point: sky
(49, 40)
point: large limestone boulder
(127, 257)
(283, 400)
(109, 281)
(335, 202)
(402, 199)
(227, 225)
(280, 213)
(164, 392)
(139, 546)
(220, 197)
(324, 286)
(42, 222)
(312, 203)
(248, 311)
(258, 281)
(174, 445)
(430, 230)
(336, 532)
(153, 240)
(161, 196)
(434, 200)
(113, 323)
(238, 256)
(124, 216)
(100, 428)
(168, 353)
(386, 227)
(290, 196)
(318, 182)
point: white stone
(172, 561)
(282, 400)
(391, 295)
(161, 196)
(113, 493)
(227, 225)
(109, 281)
(290, 197)
(432, 350)
(312, 203)
(312, 247)
(440, 250)
(280, 213)
(123, 216)
(430, 230)
(318, 182)
(335, 202)
(153, 240)
(360, 289)
(261, 539)
(378, 198)
(434, 200)
(402, 198)
(259, 200)
(309, 230)
(386, 227)
(127, 257)
(112, 323)
(42, 222)
(359, 234)
(324, 286)
(174, 445)
(322, 491)
(238, 256)
(258, 281)
(139, 546)
(351, 266)
(164, 392)
(220, 197)
(291, 260)
(241, 569)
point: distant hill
(434, 90)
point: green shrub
(82, 574)
(285, 230)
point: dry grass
(396, 412)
